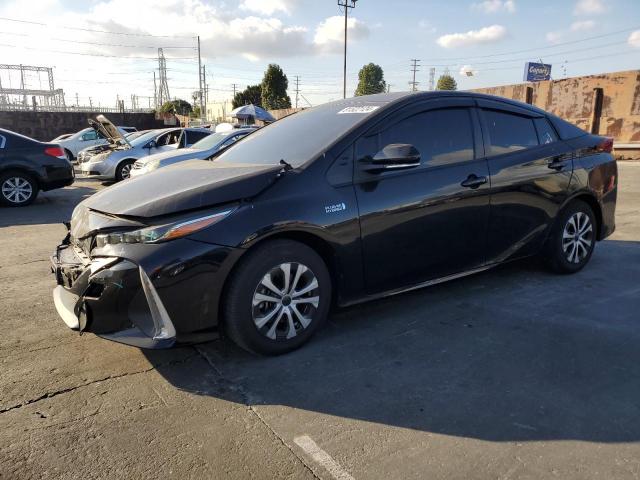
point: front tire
(572, 239)
(277, 298)
(123, 171)
(17, 189)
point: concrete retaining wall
(45, 126)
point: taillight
(55, 152)
(605, 146)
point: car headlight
(161, 233)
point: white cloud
(589, 7)
(495, 6)
(582, 25)
(269, 7)
(491, 34)
(634, 39)
(329, 35)
(554, 37)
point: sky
(101, 50)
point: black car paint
(378, 233)
(24, 154)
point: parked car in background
(341, 203)
(28, 166)
(203, 149)
(116, 164)
(87, 137)
(86, 154)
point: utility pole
(200, 80)
(414, 69)
(234, 85)
(297, 89)
(90, 104)
(77, 101)
(346, 4)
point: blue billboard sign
(536, 72)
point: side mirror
(395, 156)
(151, 144)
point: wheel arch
(314, 241)
(590, 199)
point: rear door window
(509, 132)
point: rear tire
(17, 189)
(573, 238)
(277, 297)
(123, 170)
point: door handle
(558, 162)
(473, 181)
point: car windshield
(143, 139)
(300, 137)
(210, 141)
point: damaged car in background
(116, 163)
(341, 203)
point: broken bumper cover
(134, 300)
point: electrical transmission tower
(414, 68)
(163, 88)
(16, 98)
(432, 78)
(297, 89)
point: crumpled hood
(188, 186)
(181, 154)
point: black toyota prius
(345, 202)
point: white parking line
(310, 447)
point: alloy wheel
(577, 237)
(125, 171)
(17, 190)
(285, 301)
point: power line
(96, 43)
(66, 52)
(586, 39)
(93, 30)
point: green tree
(446, 82)
(274, 89)
(181, 107)
(252, 95)
(370, 80)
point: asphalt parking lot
(513, 373)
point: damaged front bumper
(148, 296)
(110, 288)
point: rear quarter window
(546, 133)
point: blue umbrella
(252, 111)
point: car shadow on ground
(513, 354)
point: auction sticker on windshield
(364, 109)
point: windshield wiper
(287, 166)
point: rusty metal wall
(574, 99)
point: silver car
(201, 150)
(116, 164)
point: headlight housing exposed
(162, 233)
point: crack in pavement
(246, 399)
(76, 387)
